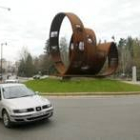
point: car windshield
(17, 92)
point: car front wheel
(6, 120)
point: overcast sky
(28, 22)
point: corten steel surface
(86, 57)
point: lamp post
(9, 9)
(2, 58)
(6, 8)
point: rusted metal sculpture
(86, 56)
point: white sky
(28, 22)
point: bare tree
(26, 66)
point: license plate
(38, 114)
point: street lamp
(6, 8)
(2, 44)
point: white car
(20, 104)
(11, 81)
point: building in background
(8, 67)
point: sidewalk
(132, 82)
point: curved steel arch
(86, 56)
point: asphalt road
(94, 118)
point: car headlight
(49, 105)
(20, 110)
(46, 106)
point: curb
(91, 94)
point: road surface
(88, 118)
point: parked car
(11, 81)
(36, 76)
(20, 104)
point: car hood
(27, 102)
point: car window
(16, 92)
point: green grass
(81, 86)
